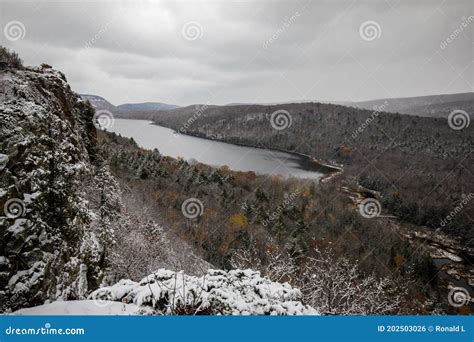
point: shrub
(11, 58)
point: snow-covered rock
(47, 152)
(236, 292)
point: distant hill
(98, 102)
(127, 110)
(429, 106)
(438, 106)
(146, 106)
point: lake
(216, 153)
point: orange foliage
(244, 178)
(399, 260)
(238, 221)
(345, 149)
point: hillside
(98, 102)
(435, 106)
(144, 107)
(408, 159)
(127, 110)
(431, 106)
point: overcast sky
(248, 51)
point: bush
(11, 58)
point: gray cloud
(268, 51)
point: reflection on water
(239, 158)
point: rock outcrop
(47, 153)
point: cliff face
(66, 227)
(47, 153)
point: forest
(421, 166)
(289, 229)
(91, 216)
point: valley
(213, 124)
(216, 153)
(201, 198)
(450, 257)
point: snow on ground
(83, 308)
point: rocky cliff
(47, 153)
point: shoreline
(328, 171)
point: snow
(218, 292)
(28, 198)
(3, 161)
(18, 227)
(84, 308)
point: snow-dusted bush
(278, 266)
(141, 247)
(236, 292)
(332, 284)
(335, 286)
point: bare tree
(140, 248)
(278, 265)
(334, 285)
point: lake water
(239, 158)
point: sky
(219, 52)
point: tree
(335, 286)
(11, 58)
(276, 265)
(140, 248)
